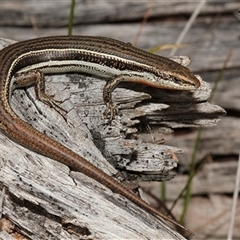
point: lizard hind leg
(37, 78)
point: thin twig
(144, 21)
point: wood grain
(212, 37)
(36, 183)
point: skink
(114, 60)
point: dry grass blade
(235, 199)
(188, 25)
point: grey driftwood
(46, 199)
